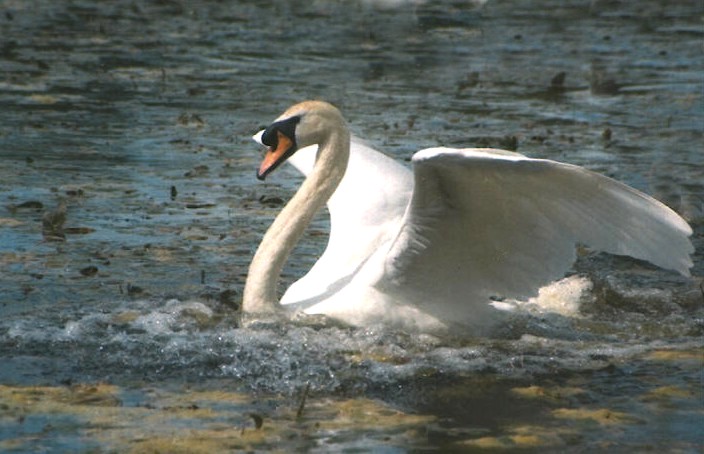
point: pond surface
(129, 212)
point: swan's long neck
(288, 227)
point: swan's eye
(270, 138)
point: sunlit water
(137, 115)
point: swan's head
(304, 124)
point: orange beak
(275, 156)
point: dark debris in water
(509, 142)
(89, 271)
(53, 223)
(558, 81)
(271, 201)
(78, 230)
(258, 420)
(28, 205)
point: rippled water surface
(132, 120)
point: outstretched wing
(487, 223)
(365, 212)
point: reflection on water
(137, 116)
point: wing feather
(488, 223)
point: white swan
(428, 249)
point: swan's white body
(429, 249)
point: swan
(428, 249)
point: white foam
(563, 297)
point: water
(138, 116)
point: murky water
(137, 116)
